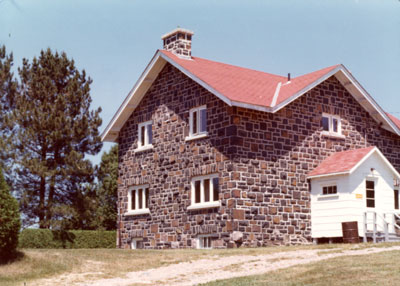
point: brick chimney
(179, 42)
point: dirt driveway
(206, 270)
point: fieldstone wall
(262, 160)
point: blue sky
(114, 40)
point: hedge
(46, 238)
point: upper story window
(138, 200)
(205, 192)
(329, 190)
(145, 135)
(331, 124)
(198, 122)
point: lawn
(107, 263)
(376, 269)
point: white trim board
(159, 60)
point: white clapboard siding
(328, 212)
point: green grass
(365, 270)
(107, 263)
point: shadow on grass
(12, 257)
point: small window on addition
(329, 190)
(197, 123)
(137, 243)
(370, 189)
(204, 242)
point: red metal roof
(341, 162)
(246, 85)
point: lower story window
(137, 243)
(138, 198)
(205, 242)
(205, 190)
(396, 199)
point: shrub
(46, 238)
(10, 222)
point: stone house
(215, 155)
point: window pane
(216, 189)
(370, 194)
(335, 127)
(197, 191)
(142, 135)
(194, 117)
(396, 199)
(147, 198)
(325, 123)
(370, 203)
(325, 190)
(133, 199)
(334, 189)
(203, 120)
(370, 185)
(149, 134)
(140, 198)
(207, 190)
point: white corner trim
(204, 205)
(137, 212)
(276, 94)
(194, 137)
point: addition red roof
(341, 162)
(246, 85)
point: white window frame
(200, 134)
(327, 186)
(321, 196)
(202, 205)
(200, 241)
(146, 145)
(134, 191)
(371, 179)
(331, 132)
(134, 243)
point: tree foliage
(10, 222)
(54, 130)
(107, 175)
(8, 87)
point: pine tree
(10, 222)
(8, 86)
(55, 129)
(107, 175)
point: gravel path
(206, 270)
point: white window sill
(137, 212)
(197, 136)
(204, 206)
(330, 196)
(333, 135)
(143, 148)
